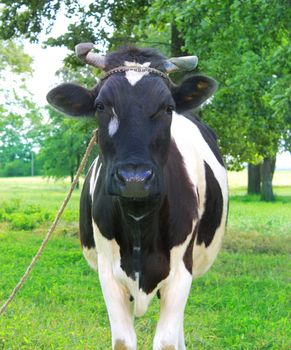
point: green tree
(19, 139)
(64, 144)
(246, 47)
(94, 22)
(14, 58)
(16, 111)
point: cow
(154, 202)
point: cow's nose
(130, 174)
(134, 181)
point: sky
(48, 60)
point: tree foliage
(13, 57)
(20, 137)
(64, 144)
(94, 22)
(17, 114)
(246, 47)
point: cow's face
(134, 119)
(134, 113)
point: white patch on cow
(132, 76)
(115, 293)
(91, 256)
(117, 303)
(113, 124)
(174, 295)
(137, 218)
(94, 177)
(195, 150)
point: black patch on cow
(181, 198)
(212, 214)
(134, 54)
(85, 221)
(208, 135)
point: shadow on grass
(256, 243)
(254, 198)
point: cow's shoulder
(207, 133)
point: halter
(122, 69)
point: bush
(24, 218)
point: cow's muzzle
(133, 181)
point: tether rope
(53, 226)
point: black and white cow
(154, 203)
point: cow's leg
(169, 333)
(118, 307)
(181, 345)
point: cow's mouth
(139, 208)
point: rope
(53, 226)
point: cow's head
(133, 105)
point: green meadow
(243, 302)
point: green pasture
(243, 302)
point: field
(243, 302)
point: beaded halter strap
(136, 69)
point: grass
(243, 302)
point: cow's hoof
(120, 345)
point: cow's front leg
(118, 307)
(169, 333)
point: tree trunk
(78, 164)
(267, 172)
(254, 179)
(176, 42)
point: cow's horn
(83, 52)
(186, 63)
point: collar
(121, 69)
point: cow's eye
(170, 109)
(99, 106)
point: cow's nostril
(121, 175)
(133, 174)
(148, 174)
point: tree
(94, 22)
(19, 138)
(245, 45)
(14, 58)
(64, 144)
(16, 111)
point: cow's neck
(141, 232)
(140, 219)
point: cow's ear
(72, 99)
(193, 92)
